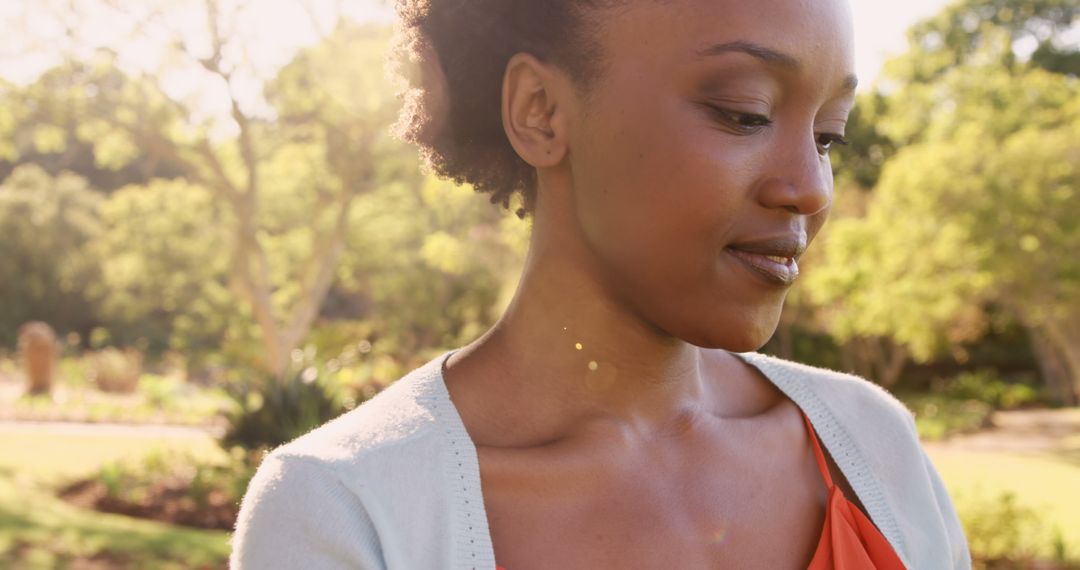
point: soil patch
(167, 501)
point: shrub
(115, 370)
(1002, 533)
(271, 411)
(965, 402)
(986, 386)
(170, 488)
(938, 417)
(160, 391)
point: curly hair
(461, 48)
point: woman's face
(699, 160)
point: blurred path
(36, 452)
(1022, 431)
(108, 429)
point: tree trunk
(1052, 367)
(785, 341)
(892, 366)
(877, 359)
(317, 279)
(251, 278)
(1062, 336)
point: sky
(880, 27)
(32, 34)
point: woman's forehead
(813, 33)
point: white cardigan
(395, 483)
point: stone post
(37, 348)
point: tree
(55, 124)
(48, 272)
(165, 267)
(435, 259)
(977, 208)
(287, 175)
(986, 32)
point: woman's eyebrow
(759, 51)
(768, 55)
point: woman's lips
(774, 269)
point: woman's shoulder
(331, 489)
(402, 416)
(848, 398)
(872, 437)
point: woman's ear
(534, 110)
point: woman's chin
(736, 335)
(746, 344)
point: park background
(202, 201)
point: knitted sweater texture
(395, 483)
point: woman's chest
(756, 512)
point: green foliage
(859, 164)
(165, 270)
(1003, 533)
(159, 390)
(995, 528)
(976, 208)
(72, 118)
(985, 386)
(157, 399)
(48, 270)
(965, 402)
(970, 32)
(939, 417)
(434, 260)
(176, 487)
(38, 530)
(984, 215)
(215, 262)
(271, 411)
(877, 282)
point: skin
(614, 429)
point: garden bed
(176, 489)
(167, 501)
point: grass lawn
(37, 530)
(1049, 484)
(56, 452)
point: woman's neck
(568, 355)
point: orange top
(849, 541)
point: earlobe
(532, 112)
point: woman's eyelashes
(825, 141)
(743, 123)
(739, 122)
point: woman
(673, 157)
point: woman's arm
(961, 555)
(297, 514)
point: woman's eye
(826, 140)
(743, 123)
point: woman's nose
(798, 180)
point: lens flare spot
(601, 377)
(718, 536)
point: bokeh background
(210, 243)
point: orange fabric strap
(820, 455)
